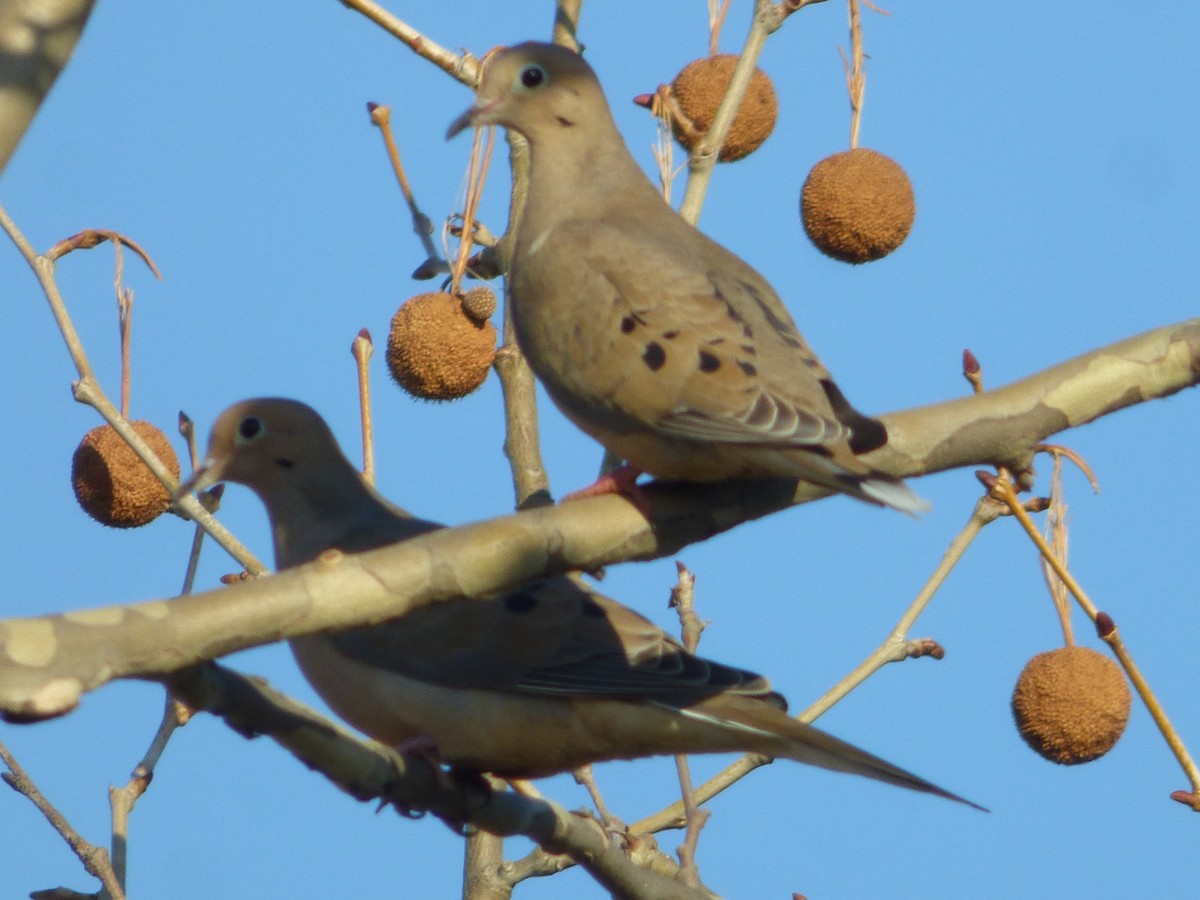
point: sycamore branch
(370, 771)
(48, 663)
(36, 41)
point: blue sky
(1051, 157)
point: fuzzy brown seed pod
(857, 205)
(698, 90)
(435, 351)
(112, 485)
(479, 303)
(1071, 704)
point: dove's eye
(249, 430)
(533, 76)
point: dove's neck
(581, 173)
(312, 511)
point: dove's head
(266, 442)
(536, 89)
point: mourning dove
(541, 680)
(658, 342)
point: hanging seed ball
(479, 303)
(698, 90)
(857, 205)
(112, 485)
(1071, 704)
(435, 351)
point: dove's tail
(895, 494)
(771, 731)
(810, 745)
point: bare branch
(704, 159)
(463, 68)
(95, 859)
(369, 771)
(37, 40)
(48, 663)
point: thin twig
(187, 429)
(856, 76)
(664, 106)
(566, 23)
(381, 117)
(1058, 450)
(362, 349)
(716, 18)
(522, 448)
(480, 161)
(125, 326)
(683, 596)
(122, 800)
(704, 157)
(463, 68)
(896, 646)
(95, 859)
(682, 600)
(90, 238)
(87, 389)
(674, 816)
(689, 872)
(584, 776)
(785, 8)
(1056, 533)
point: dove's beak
(208, 474)
(479, 114)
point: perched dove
(539, 681)
(655, 340)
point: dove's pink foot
(620, 480)
(422, 747)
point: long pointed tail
(777, 734)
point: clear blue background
(1052, 150)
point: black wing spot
(748, 368)
(284, 463)
(655, 356)
(730, 311)
(786, 330)
(520, 602)
(671, 335)
(709, 362)
(628, 324)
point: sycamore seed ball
(857, 205)
(1071, 704)
(479, 303)
(112, 485)
(698, 90)
(436, 351)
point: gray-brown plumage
(539, 681)
(658, 342)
